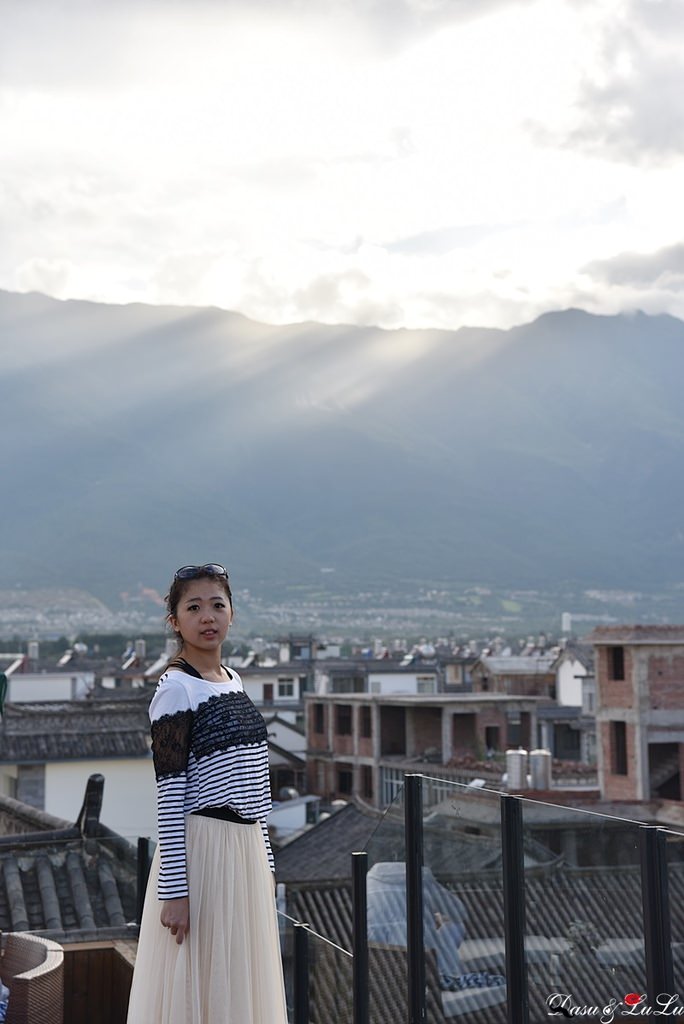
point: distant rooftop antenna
(566, 622)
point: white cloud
(642, 269)
(628, 96)
(423, 162)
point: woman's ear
(173, 623)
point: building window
(366, 726)
(588, 697)
(348, 684)
(343, 720)
(514, 729)
(318, 719)
(616, 663)
(345, 779)
(492, 740)
(286, 688)
(367, 781)
(391, 783)
(426, 684)
(619, 747)
(312, 811)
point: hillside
(136, 438)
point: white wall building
(25, 687)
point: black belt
(224, 814)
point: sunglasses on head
(191, 572)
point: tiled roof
(323, 853)
(68, 883)
(563, 903)
(584, 653)
(560, 901)
(67, 730)
(287, 755)
(636, 635)
(518, 665)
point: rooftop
(520, 664)
(68, 730)
(68, 882)
(427, 699)
(636, 635)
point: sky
(402, 163)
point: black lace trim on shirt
(225, 721)
(171, 743)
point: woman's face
(203, 614)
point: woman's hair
(179, 586)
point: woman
(208, 951)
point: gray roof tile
(66, 883)
(68, 730)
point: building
(29, 681)
(361, 744)
(48, 750)
(640, 711)
(525, 675)
(568, 726)
(379, 676)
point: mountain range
(137, 438)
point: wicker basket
(33, 970)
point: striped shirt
(210, 749)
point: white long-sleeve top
(210, 749)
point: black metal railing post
(656, 913)
(301, 973)
(514, 909)
(360, 937)
(144, 864)
(413, 828)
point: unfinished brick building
(640, 711)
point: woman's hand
(175, 916)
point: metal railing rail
(658, 957)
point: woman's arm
(171, 728)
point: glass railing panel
(386, 894)
(674, 847)
(463, 922)
(286, 934)
(330, 992)
(584, 939)
(462, 906)
(387, 842)
(330, 982)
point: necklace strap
(185, 666)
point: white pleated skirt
(228, 969)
